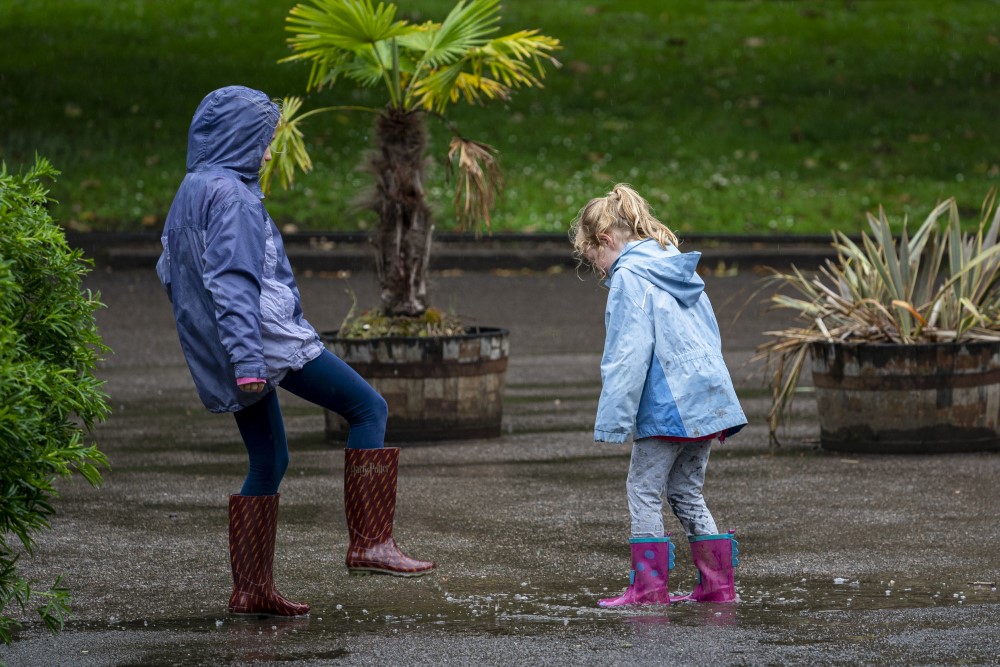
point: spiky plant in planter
(941, 285)
(423, 69)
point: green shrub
(49, 397)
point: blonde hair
(624, 215)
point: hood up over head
(231, 129)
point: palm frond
(481, 69)
(479, 182)
(513, 73)
(370, 65)
(524, 45)
(420, 39)
(288, 151)
(450, 84)
(340, 25)
(466, 27)
(344, 37)
(517, 59)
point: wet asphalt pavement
(845, 560)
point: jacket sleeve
(628, 352)
(234, 262)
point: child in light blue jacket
(665, 385)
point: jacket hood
(231, 129)
(668, 269)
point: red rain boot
(652, 560)
(253, 525)
(370, 503)
(715, 556)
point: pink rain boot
(652, 560)
(715, 556)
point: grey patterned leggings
(678, 469)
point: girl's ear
(607, 240)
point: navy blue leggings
(326, 381)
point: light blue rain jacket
(663, 373)
(223, 264)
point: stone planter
(444, 388)
(908, 399)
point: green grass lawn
(730, 116)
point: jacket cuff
(250, 371)
(610, 436)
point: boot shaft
(652, 560)
(722, 549)
(715, 556)
(253, 527)
(370, 505)
(370, 494)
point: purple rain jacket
(662, 371)
(223, 263)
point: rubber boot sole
(366, 571)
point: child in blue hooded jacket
(243, 334)
(665, 385)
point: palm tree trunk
(403, 237)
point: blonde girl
(665, 385)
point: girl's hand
(253, 387)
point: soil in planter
(376, 324)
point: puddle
(772, 605)
(464, 607)
(816, 612)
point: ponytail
(623, 214)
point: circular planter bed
(437, 388)
(908, 399)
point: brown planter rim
(470, 332)
(402, 425)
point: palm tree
(424, 69)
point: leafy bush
(49, 347)
(938, 286)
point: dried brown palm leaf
(479, 183)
